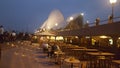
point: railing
(116, 19)
(102, 22)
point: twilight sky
(28, 15)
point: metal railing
(106, 21)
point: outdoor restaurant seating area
(74, 56)
(69, 56)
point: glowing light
(35, 37)
(43, 29)
(12, 45)
(42, 38)
(93, 41)
(59, 38)
(87, 37)
(82, 14)
(48, 27)
(56, 24)
(23, 55)
(52, 37)
(110, 41)
(113, 1)
(48, 37)
(71, 18)
(87, 22)
(103, 36)
(76, 36)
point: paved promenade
(24, 56)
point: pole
(112, 12)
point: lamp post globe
(113, 1)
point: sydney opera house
(56, 21)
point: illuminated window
(59, 38)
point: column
(115, 38)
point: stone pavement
(25, 56)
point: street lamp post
(112, 3)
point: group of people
(1, 33)
(50, 49)
(8, 36)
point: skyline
(28, 15)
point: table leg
(71, 65)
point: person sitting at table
(54, 48)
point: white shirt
(1, 30)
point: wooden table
(74, 61)
(75, 47)
(81, 53)
(100, 53)
(79, 47)
(87, 50)
(58, 54)
(104, 59)
(116, 63)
